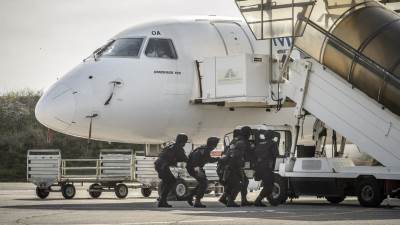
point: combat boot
(198, 204)
(222, 199)
(163, 204)
(259, 203)
(231, 203)
(190, 200)
(244, 202)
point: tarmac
(19, 205)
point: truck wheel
(121, 191)
(94, 190)
(369, 193)
(146, 192)
(335, 199)
(68, 191)
(42, 193)
(279, 191)
(181, 190)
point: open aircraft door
(235, 39)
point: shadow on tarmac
(88, 198)
(297, 211)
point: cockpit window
(161, 48)
(124, 47)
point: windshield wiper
(94, 54)
(99, 51)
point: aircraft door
(236, 41)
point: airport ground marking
(225, 211)
(166, 222)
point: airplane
(138, 87)
(145, 85)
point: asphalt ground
(19, 205)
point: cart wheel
(42, 193)
(94, 190)
(121, 190)
(68, 191)
(146, 192)
(181, 190)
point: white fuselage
(152, 102)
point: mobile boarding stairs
(346, 74)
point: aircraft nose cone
(56, 108)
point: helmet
(246, 132)
(212, 142)
(181, 139)
(237, 133)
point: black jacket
(171, 155)
(199, 157)
(267, 150)
(237, 152)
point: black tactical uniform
(197, 159)
(249, 156)
(223, 169)
(233, 169)
(222, 162)
(169, 156)
(267, 143)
